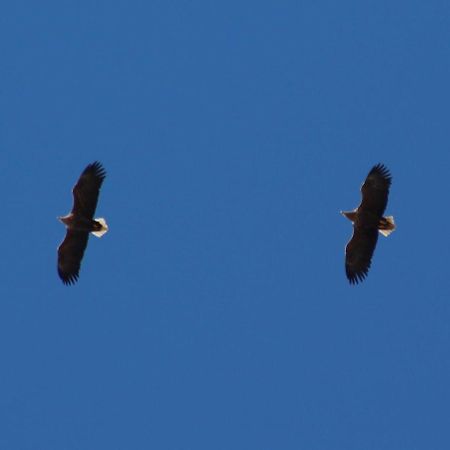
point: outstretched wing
(375, 190)
(87, 189)
(358, 253)
(70, 254)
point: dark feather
(375, 190)
(359, 252)
(87, 189)
(70, 254)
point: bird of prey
(80, 222)
(367, 221)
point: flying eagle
(367, 221)
(80, 222)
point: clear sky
(215, 314)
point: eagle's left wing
(375, 190)
(87, 189)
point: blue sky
(215, 314)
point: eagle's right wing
(70, 254)
(358, 253)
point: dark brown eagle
(80, 222)
(367, 221)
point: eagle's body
(80, 222)
(368, 220)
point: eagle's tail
(386, 226)
(104, 227)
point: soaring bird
(80, 222)
(367, 221)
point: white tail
(104, 229)
(390, 220)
